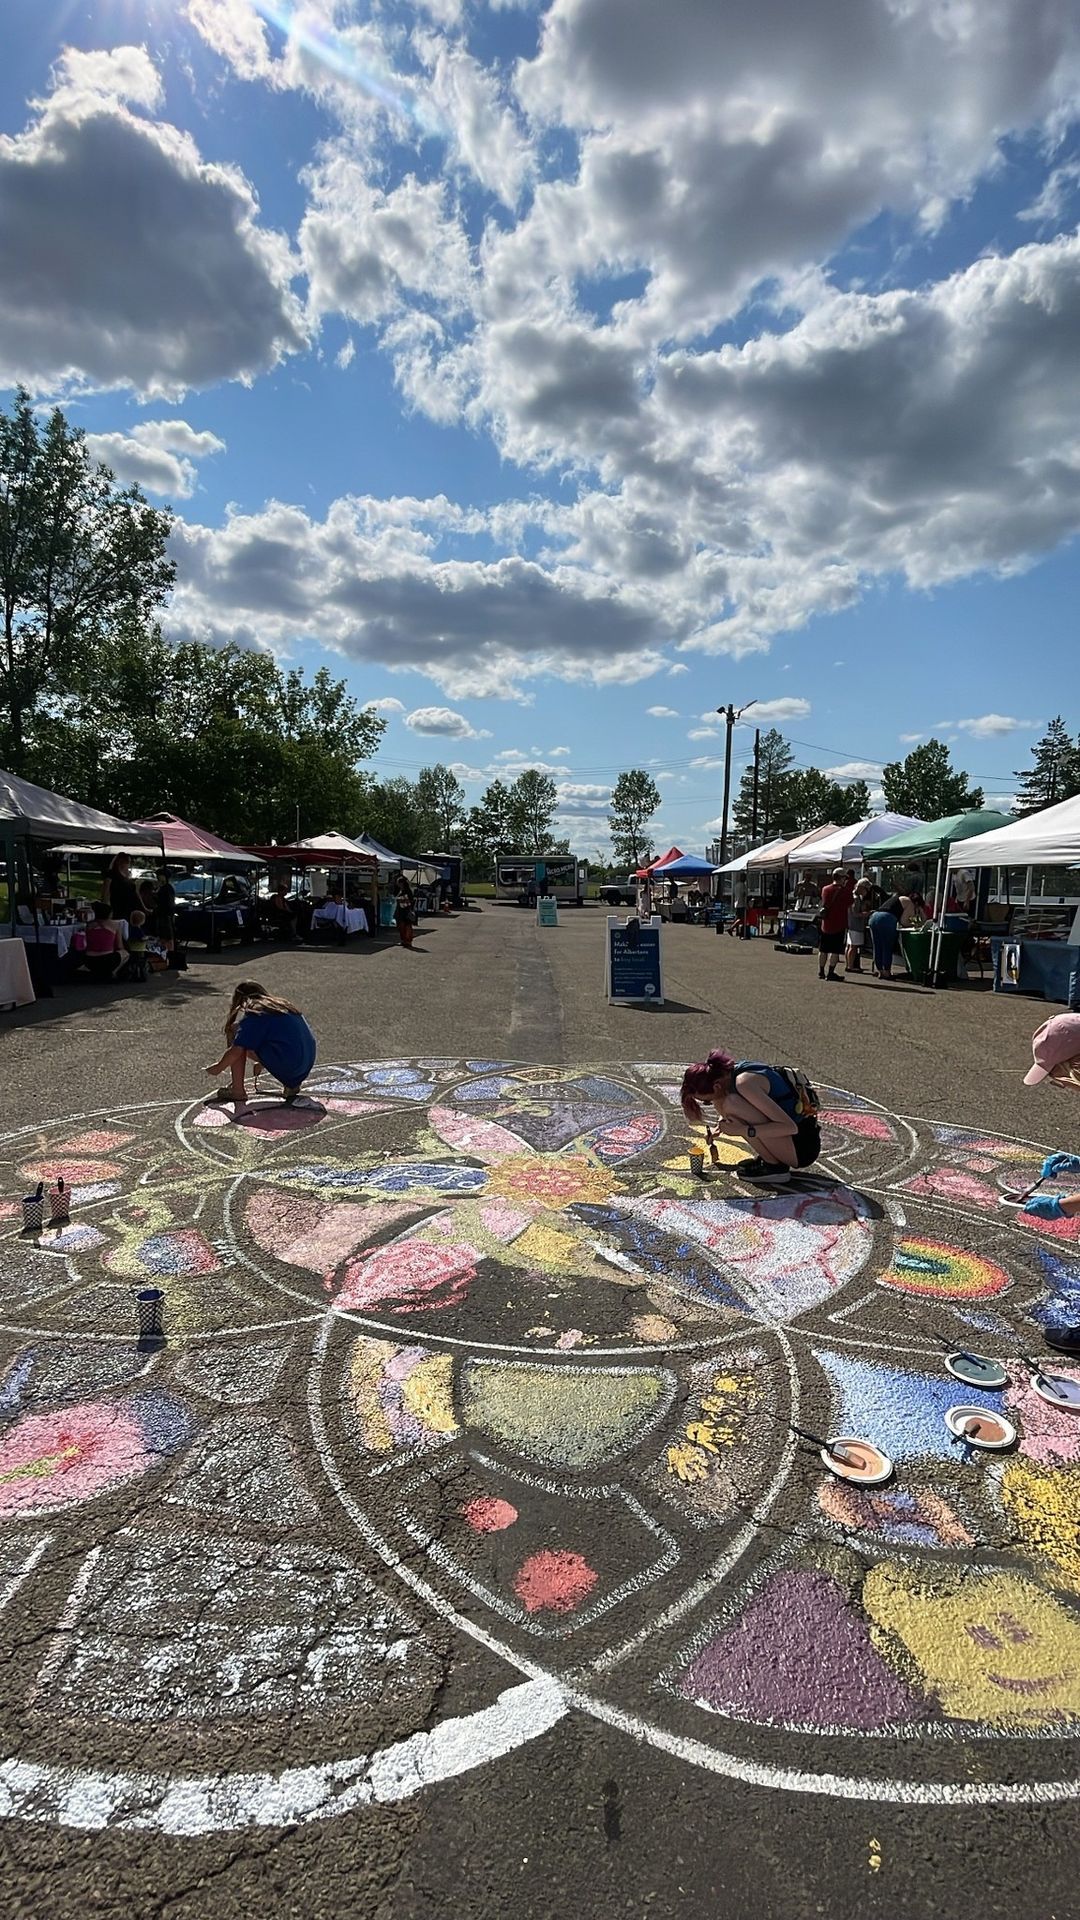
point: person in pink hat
(1056, 1052)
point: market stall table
(16, 989)
(1047, 967)
(47, 935)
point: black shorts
(831, 942)
(807, 1143)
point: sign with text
(547, 911)
(633, 968)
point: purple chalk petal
(800, 1656)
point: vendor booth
(857, 845)
(30, 817)
(339, 865)
(215, 896)
(936, 953)
(682, 888)
(1044, 965)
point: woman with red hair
(773, 1108)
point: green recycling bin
(915, 947)
(916, 943)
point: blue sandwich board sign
(547, 911)
(633, 969)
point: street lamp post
(729, 715)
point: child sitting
(772, 1107)
(136, 946)
(272, 1034)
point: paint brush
(1018, 1199)
(815, 1439)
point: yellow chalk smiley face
(993, 1647)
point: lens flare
(351, 62)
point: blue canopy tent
(688, 867)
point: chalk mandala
(467, 1380)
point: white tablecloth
(43, 936)
(349, 919)
(15, 986)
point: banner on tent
(633, 965)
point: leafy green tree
(489, 830)
(850, 804)
(927, 786)
(80, 559)
(634, 799)
(1055, 774)
(532, 802)
(440, 798)
(391, 814)
(774, 764)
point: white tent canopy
(781, 853)
(334, 843)
(848, 845)
(1047, 839)
(740, 865)
(34, 811)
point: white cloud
(704, 761)
(854, 770)
(911, 739)
(234, 29)
(703, 733)
(465, 772)
(345, 355)
(159, 455)
(679, 667)
(773, 710)
(990, 726)
(444, 721)
(387, 705)
(367, 250)
(558, 753)
(1059, 187)
(662, 713)
(129, 260)
(486, 136)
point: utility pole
(729, 715)
(753, 809)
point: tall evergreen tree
(774, 764)
(1055, 774)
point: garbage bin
(916, 942)
(915, 947)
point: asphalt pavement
(454, 1552)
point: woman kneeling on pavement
(773, 1108)
(1056, 1051)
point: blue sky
(559, 374)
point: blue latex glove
(1060, 1163)
(1046, 1205)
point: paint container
(859, 1461)
(150, 1308)
(976, 1371)
(60, 1204)
(1058, 1391)
(697, 1163)
(981, 1427)
(33, 1210)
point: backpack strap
(806, 1097)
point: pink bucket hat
(1056, 1041)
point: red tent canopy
(673, 853)
(183, 841)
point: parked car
(619, 893)
(213, 907)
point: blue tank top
(779, 1089)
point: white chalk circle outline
(93, 1801)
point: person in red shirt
(836, 899)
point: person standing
(862, 901)
(121, 893)
(739, 928)
(836, 898)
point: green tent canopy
(933, 839)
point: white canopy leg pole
(935, 938)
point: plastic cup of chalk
(33, 1211)
(859, 1461)
(981, 1427)
(150, 1309)
(697, 1162)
